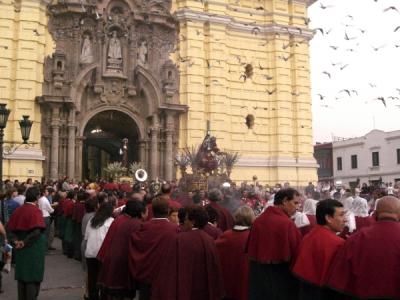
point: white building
(372, 158)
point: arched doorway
(103, 143)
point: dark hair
(104, 212)
(134, 208)
(182, 212)
(82, 196)
(160, 207)
(316, 196)
(165, 188)
(21, 189)
(101, 197)
(287, 194)
(212, 214)
(91, 205)
(326, 207)
(215, 195)
(198, 215)
(32, 194)
(10, 191)
(71, 194)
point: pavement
(63, 278)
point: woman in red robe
(114, 277)
(234, 263)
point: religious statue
(142, 55)
(87, 51)
(114, 56)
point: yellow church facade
(240, 65)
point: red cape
(26, 218)
(111, 186)
(59, 210)
(225, 220)
(78, 211)
(153, 257)
(234, 263)
(68, 207)
(199, 269)
(362, 222)
(114, 254)
(368, 265)
(306, 229)
(316, 253)
(273, 237)
(212, 231)
(125, 187)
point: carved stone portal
(111, 56)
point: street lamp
(25, 125)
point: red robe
(362, 222)
(153, 257)
(273, 238)
(26, 218)
(316, 252)
(78, 211)
(212, 231)
(306, 229)
(225, 220)
(114, 254)
(368, 264)
(68, 207)
(235, 266)
(199, 269)
(111, 186)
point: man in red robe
(272, 247)
(114, 276)
(225, 219)
(165, 193)
(367, 266)
(318, 249)
(199, 269)
(234, 262)
(153, 255)
(211, 228)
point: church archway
(104, 136)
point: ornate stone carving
(87, 51)
(114, 54)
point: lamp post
(25, 125)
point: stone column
(154, 148)
(55, 139)
(168, 159)
(142, 153)
(71, 144)
(79, 155)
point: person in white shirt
(46, 209)
(95, 233)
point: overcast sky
(372, 73)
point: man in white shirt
(46, 209)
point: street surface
(63, 278)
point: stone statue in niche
(142, 53)
(87, 51)
(114, 55)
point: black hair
(104, 212)
(160, 207)
(212, 214)
(21, 189)
(215, 195)
(182, 212)
(32, 194)
(166, 188)
(288, 193)
(91, 205)
(316, 195)
(326, 207)
(82, 196)
(134, 208)
(199, 215)
(70, 194)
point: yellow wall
(217, 39)
(24, 44)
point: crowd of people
(233, 243)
